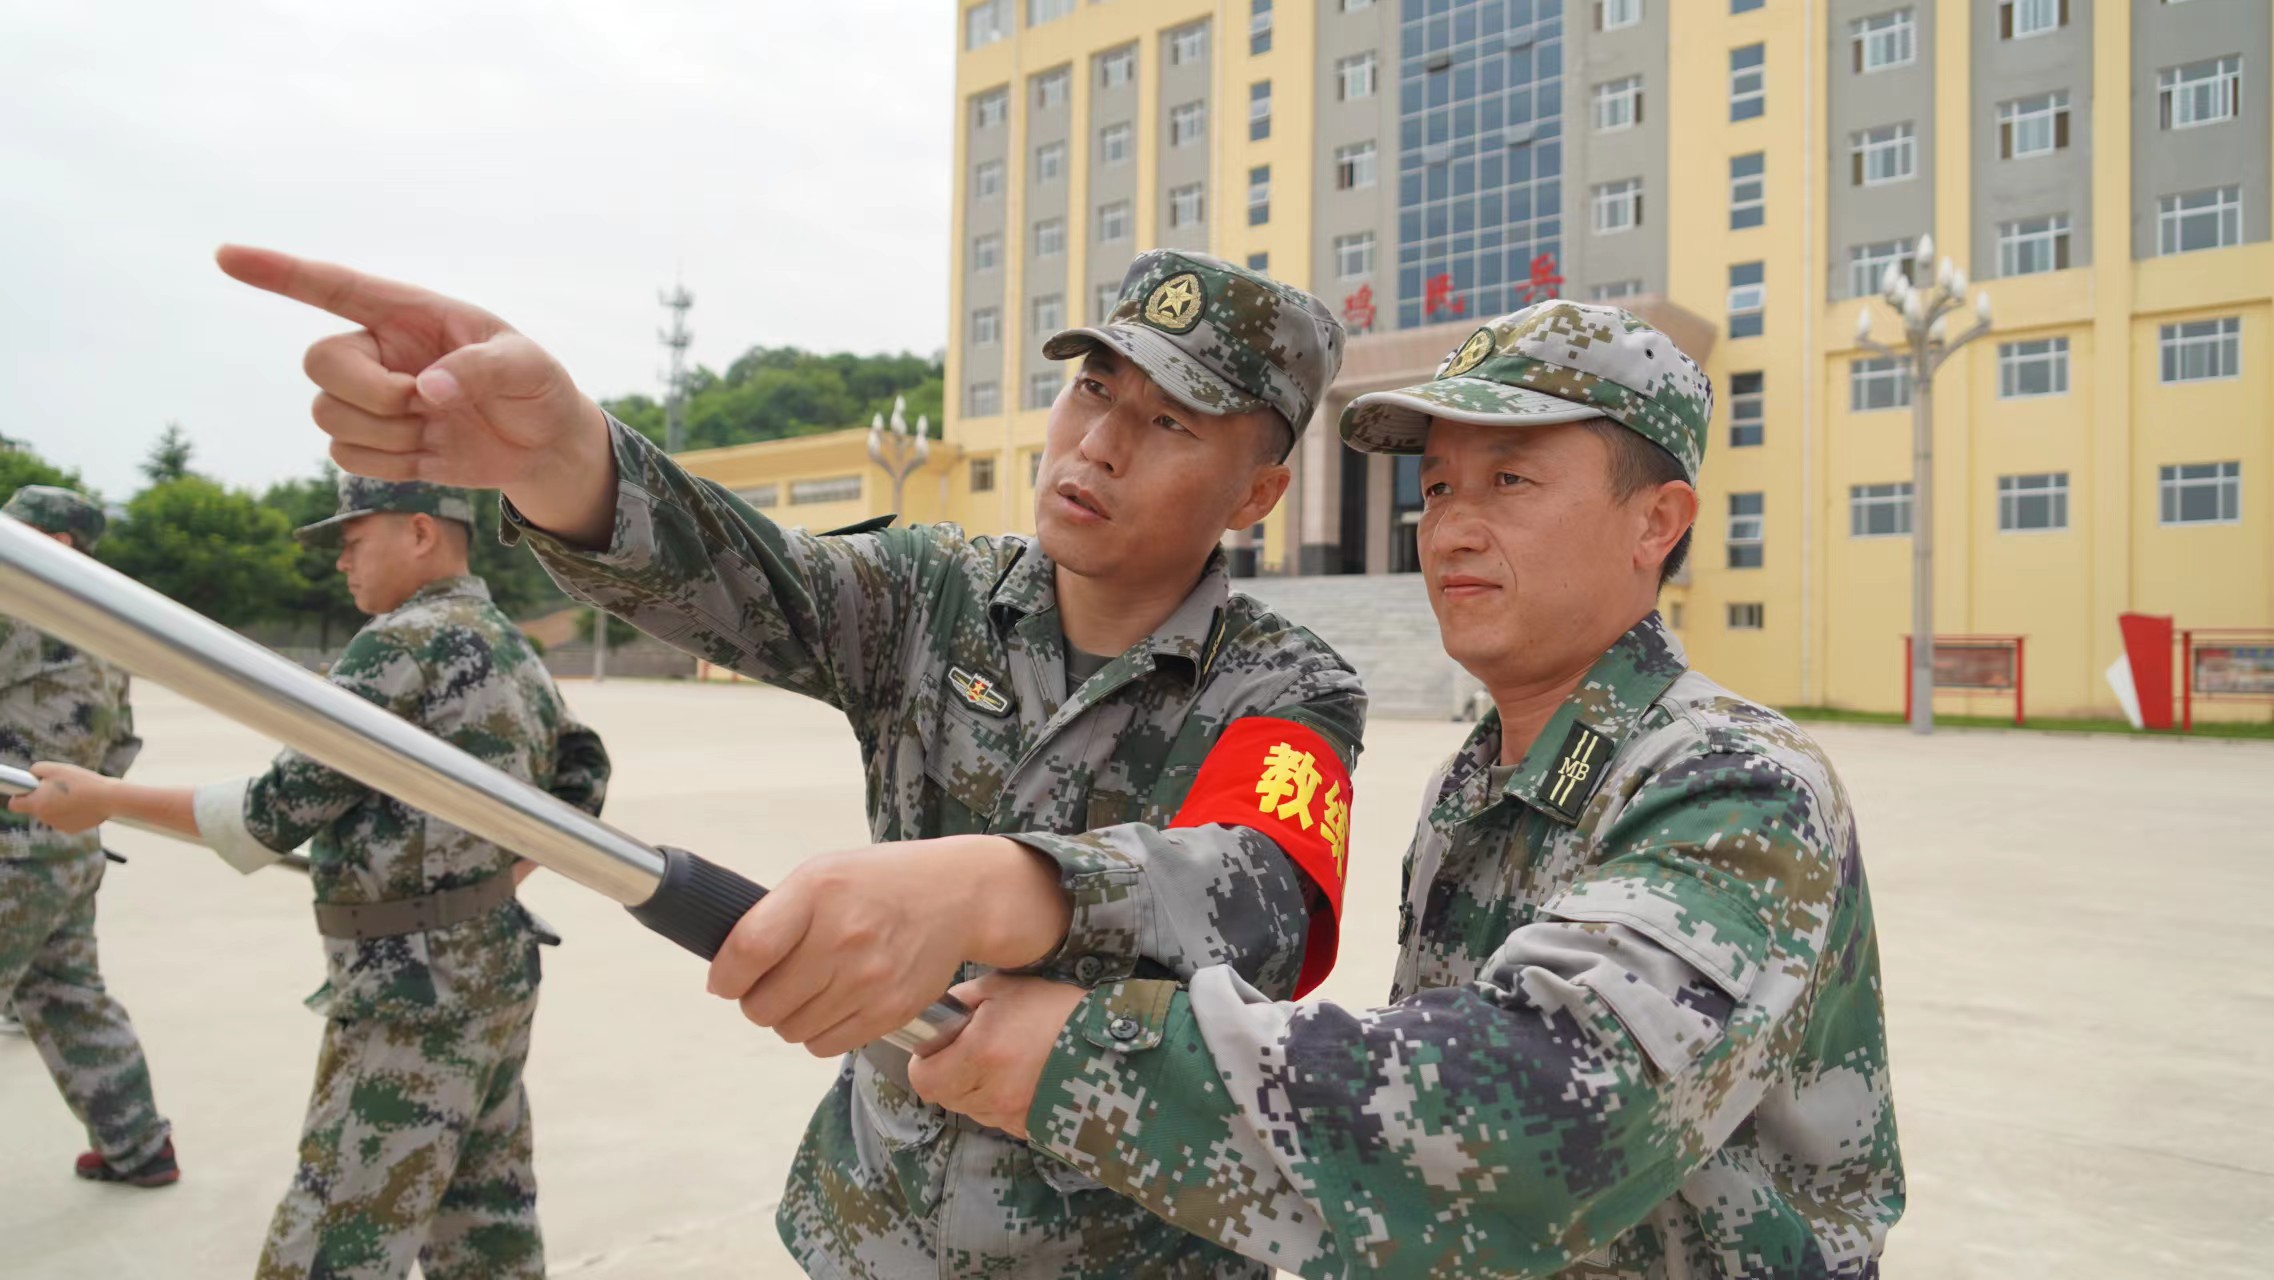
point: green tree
(220, 552)
(168, 459)
(770, 393)
(322, 596)
(20, 466)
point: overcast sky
(556, 162)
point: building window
(982, 475)
(2035, 368)
(1354, 256)
(1879, 510)
(1188, 45)
(1748, 82)
(1051, 89)
(1354, 77)
(1049, 237)
(1883, 40)
(1353, 6)
(984, 399)
(1041, 390)
(1618, 104)
(1354, 166)
(1748, 410)
(1883, 382)
(985, 23)
(2201, 350)
(989, 110)
(1259, 195)
(1114, 221)
(1117, 68)
(1868, 263)
(805, 493)
(1185, 207)
(762, 497)
(1050, 162)
(1610, 15)
(1260, 262)
(2020, 19)
(1745, 520)
(2200, 92)
(1674, 615)
(986, 327)
(1041, 11)
(1748, 298)
(1033, 467)
(1746, 617)
(1115, 143)
(2037, 126)
(2199, 220)
(1102, 303)
(1049, 314)
(2032, 245)
(1617, 206)
(1259, 27)
(987, 180)
(987, 251)
(1259, 111)
(1744, 6)
(2033, 502)
(2202, 493)
(1748, 190)
(1614, 291)
(1187, 123)
(1889, 153)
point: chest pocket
(967, 760)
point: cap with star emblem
(1218, 338)
(1557, 361)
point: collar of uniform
(1030, 586)
(463, 584)
(1632, 674)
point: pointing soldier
(417, 1144)
(57, 703)
(1063, 736)
(1636, 1028)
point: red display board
(2224, 664)
(1973, 664)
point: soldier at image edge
(58, 703)
(418, 1144)
(1636, 1028)
(1086, 755)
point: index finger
(343, 291)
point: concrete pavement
(2075, 931)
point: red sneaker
(158, 1171)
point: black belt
(415, 915)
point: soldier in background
(1636, 1029)
(417, 1142)
(57, 703)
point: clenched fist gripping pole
(686, 899)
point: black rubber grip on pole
(697, 903)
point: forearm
(168, 808)
(573, 495)
(1016, 909)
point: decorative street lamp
(892, 448)
(1926, 345)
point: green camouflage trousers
(48, 962)
(417, 1145)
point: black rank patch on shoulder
(982, 693)
(1578, 767)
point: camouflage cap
(1218, 338)
(1557, 361)
(361, 496)
(53, 510)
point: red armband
(1285, 781)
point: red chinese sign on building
(1544, 283)
(1358, 310)
(1438, 296)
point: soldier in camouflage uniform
(1065, 739)
(57, 703)
(418, 1142)
(1636, 1029)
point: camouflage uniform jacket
(57, 703)
(449, 662)
(1636, 1028)
(887, 627)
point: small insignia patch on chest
(1578, 768)
(981, 692)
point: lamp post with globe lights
(1923, 311)
(899, 453)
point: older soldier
(1066, 740)
(417, 1143)
(57, 703)
(1636, 1027)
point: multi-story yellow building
(1739, 171)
